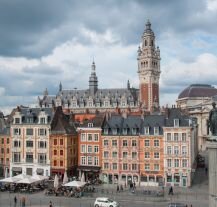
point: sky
(44, 42)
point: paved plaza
(197, 196)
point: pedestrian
(206, 170)
(50, 204)
(134, 185)
(15, 201)
(171, 191)
(122, 188)
(23, 202)
(117, 188)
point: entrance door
(184, 181)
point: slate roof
(62, 123)
(97, 121)
(198, 90)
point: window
(176, 150)
(146, 130)
(90, 124)
(96, 137)
(114, 166)
(106, 142)
(29, 120)
(29, 143)
(114, 154)
(176, 122)
(61, 141)
(176, 137)
(8, 151)
(55, 152)
(147, 142)
(42, 144)
(169, 150)
(114, 143)
(8, 140)
(17, 121)
(55, 163)
(42, 120)
(83, 137)
(96, 149)
(105, 131)
(61, 163)
(147, 166)
(55, 141)
(29, 157)
(176, 163)
(156, 167)
(156, 130)
(134, 166)
(124, 143)
(134, 155)
(169, 163)
(169, 137)
(2, 140)
(42, 158)
(16, 131)
(106, 104)
(61, 152)
(124, 154)
(42, 132)
(83, 148)
(147, 155)
(89, 137)
(2, 150)
(106, 154)
(156, 143)
(125, 166)
(184, 163)
(106, 166)
(29, 131)
(156, 155)
(16, 143)
(134, 143)
(184, 137)
(16, 157)
(184, 150)
(96, 161)
(89, 149)
(83, 160)
(89, 160)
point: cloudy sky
(44, 42)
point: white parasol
(65, 178)
(56, 182)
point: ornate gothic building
(126, 99)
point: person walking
(171, 191)
(23, 202)
(117, 188)
(15, 201)
(50, 204)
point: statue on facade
(213, 120)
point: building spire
(93, 81)
(60, 86)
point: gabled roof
(62, 123)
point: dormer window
(106, 103)
(133, 131)
(131, 103)
(176, 122)
(90, 124)
(123, 103)
(74, 104)
(42, 120)
(29, 120)
(114, 131)
(105, 131)
(146, 130)
(156, 130)
(125, 131)
(90, 104)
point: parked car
(176, 205)
(105, 202)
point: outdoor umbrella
(56, 182)
(27, 181)
(10, 180)
(75, 183)
(22, 176)
(65, 178)
(82, 178)
(39, 177)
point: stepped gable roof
(97, 121)
(62, 123)
(198, 90)
(152, 121)
(176, 113)
(34, 114)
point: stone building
(95, 99)
(30, 146)
(63, 144)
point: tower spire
(93, 81)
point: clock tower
(149, 70)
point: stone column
(212, 150)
